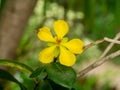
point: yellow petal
(44, 34)
(66, 57)
(47, 54)
(60, 28)
(75, 46)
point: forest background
(89, 20)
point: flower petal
(44, 34)
(75, 46)
(60, 28)
(66, 57)
(47, 54)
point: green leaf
(45, 85)
(61, 75)
(56, 86)
(7, 76)
(2, 4)
(76, 86)
(37, 72)
(13, 63)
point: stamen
(58, 41)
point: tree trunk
(13, 21)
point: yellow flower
(59, 46)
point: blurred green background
(88, 20)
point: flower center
(58, 41)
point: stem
(102, 58)
(36, 83)
(98, 63)
(36, 86)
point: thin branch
(100, 41)
(110, 45)
(111, 40)
(98, 63)
(93, 44)
(102, 58)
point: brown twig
(110, 45)
(100, 41)
(98, 63)
(102, 58)
(93, 44)
(111, 40)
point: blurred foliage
(2, 3)
(88, 19)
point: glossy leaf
(56, 86)
(45, 85)
(16, 64)
(7, 76)
(61, 75)
(37, 72)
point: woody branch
(103, 58)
